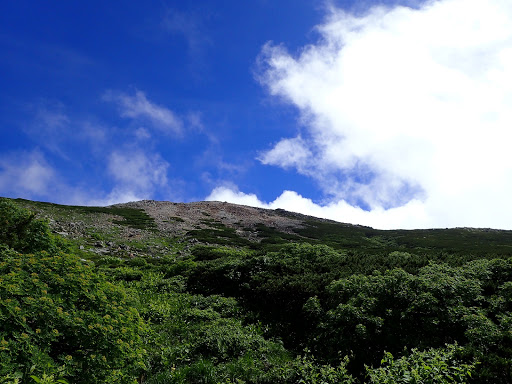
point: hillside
(148, 222)
(235, 294)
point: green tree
(22, 231)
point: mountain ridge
(222, 223)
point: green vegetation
(218, 234)
(461, 241)
(332, 303)
(431, 366)
(59, 317)
(19, 230)
(131, 217)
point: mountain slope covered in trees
(157, 292)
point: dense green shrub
(307, 370)
(199, 339)
(60, 316)
(468, 305)
(20, 230)
(434, 366)
(274, 284)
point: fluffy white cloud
(408, 110)
(232, 195)
(139, 107)
(288, 153)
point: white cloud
(139, 107)
(232, 195)
(116, 196)
(136, 175)
(408, 110)
(26, 174)
(288, 153)
(138, 170)
(29, 175)
(142, 133)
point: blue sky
(389, 114)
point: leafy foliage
(20, 230)
(442, 304)
(431, 366)
(55, 311)
(58, 316)
(430, 306)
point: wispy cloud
(189, 25)
(51, 118)
(138, 169)
(48, 125)
(29, 175)
(118, 195)
(142, 133)
(128, 173)
(51, 127)
(26, 174)
(136, 176)
(138, 107)
(405, 109)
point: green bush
(434, 366)
(367, 315)
(20, 230)
(307, 370)
(57, 316)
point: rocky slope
(160, 228)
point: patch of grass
(131, 217)
(272, 233)
(97, 236)
(335, 235)
(213, 223)
(134, 218)
(221, 235)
